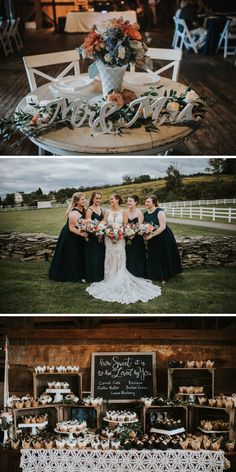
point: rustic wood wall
(31, 347)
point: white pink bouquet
(82, 224)
(147, 228)
(97, 228)
(115, 232)
(130, 230)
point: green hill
(204, 186)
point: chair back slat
(172, 55)
(32, 63)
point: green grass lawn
(50, 221)
(25, 288)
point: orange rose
(128, 96)
(92, 42)
(132, 31)
(115, 98)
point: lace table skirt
(55, 460)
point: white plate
(142, 78)
(72, 84)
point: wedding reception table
(82, 22)
(122, 461)
(83, 140)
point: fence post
(229, 216)
(200, 213)
(190, 213)
(181, 212)
(213, 214)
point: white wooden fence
(218, 201)
(202, 213)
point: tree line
(174, 189)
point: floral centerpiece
(113, 45)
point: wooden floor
(210, 76)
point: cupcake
(26, 443)
(36, 443)
(48, 444)
(60, 443)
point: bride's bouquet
(97, 228)
(130, 231)
(115, 232)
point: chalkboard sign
(123, 376)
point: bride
(119, 285)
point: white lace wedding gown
(119, 285)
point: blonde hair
(74, 200)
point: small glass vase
(111, 77)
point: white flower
(191, 97)
(172, 107)
(30, 109)
(107, 58)
(103, 26)
(121, 52)
(135, 44)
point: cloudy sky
(27, 174)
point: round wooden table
(83, 141)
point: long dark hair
(93, 196)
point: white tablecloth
(122, 461)
(82, 22)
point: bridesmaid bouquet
(130, 231)
(146, 228)
(115, 232)
(82, 224)
(97, 228)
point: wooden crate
(198, 413)
(40, 382)
(178, 412)
(191, 377)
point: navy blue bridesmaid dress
(135, 254)
(68, 264)
(94, 255)
(163, 259)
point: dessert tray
(34, 426)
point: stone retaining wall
(194, 251)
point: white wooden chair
(227, 36)
(14, 33)
(173, 56)
(182, 36)
(5, 38)
(42, 60)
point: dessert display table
(82, 140)
(122, 461)
(82, 22)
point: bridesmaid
(135, 252)
(163, 259)
(68, 261)
(94, 250)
